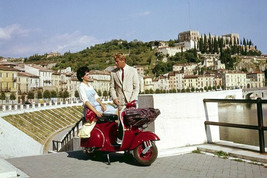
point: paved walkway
(76, 164)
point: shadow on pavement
(102, 157)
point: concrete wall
(15, 143)
(181, 122)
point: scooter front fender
(142, 137)
(97, 139)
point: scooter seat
(107, 118)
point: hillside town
(18, 79)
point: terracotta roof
(190, 76)
(5, 68)
(27, 75)
(42, 69)
(256, 72)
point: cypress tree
(205, 44)
(215, 43)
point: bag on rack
(141, 116)
(86, 129)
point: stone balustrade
(11, 107)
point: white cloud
(16, 41)
(8, 32)
(39, 43)
(146, 13)
(69, 42)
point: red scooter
(134, 140)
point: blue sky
(30, 27)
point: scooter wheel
(148, 158)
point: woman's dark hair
(81, 72)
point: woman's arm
(103, 107)
(92, 108)
(83, 96)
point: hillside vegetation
(100, 56)
(140, 53)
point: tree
(23, 97)
(200, 45)
(148, 61)
(99, 93)
(157, 90)
(12, 97)
(205, 44)
(47, 94)
(76, 94)
(209, 88)
(3, 96)
(105, 94)
(191, 56)
(171, 43)
(265, 74)
(160, 68)
(215, 46)
(65, 94)
(146, 91)
(39, 95)
(60, 94)
(53, 94)
(30, 95)
(210, 44)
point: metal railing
(260, 127)
(57, 145)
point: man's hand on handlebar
(116, 101)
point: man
(124, 82)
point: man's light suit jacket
(127, 90)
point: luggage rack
(107, 118)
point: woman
(90, 98)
